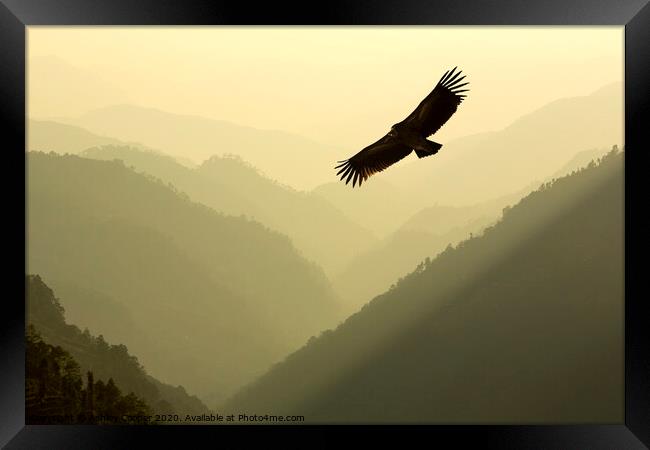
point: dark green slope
(106, 361)
(216, 298)
(522, 324)
(55, 392)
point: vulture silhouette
(410, 134)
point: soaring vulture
(410, 134)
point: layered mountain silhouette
(47, 135)
(228, 184)
(493, 164)
(276, 153)
(51, 136)
(427, 233)
(523, 324)
(211, 271)
(94, 353)
(374, 271)
(486, 166)
(193, 280)
(562, 127)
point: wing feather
(372, 159)
(436, 109)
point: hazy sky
(340, 85)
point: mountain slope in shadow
(228, 184)
(373, 272)
(45, 313)
(523, 324)
(427, 233)
(196, 282)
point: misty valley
(181, 268)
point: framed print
(384, 215)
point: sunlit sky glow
(338, 85)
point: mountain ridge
(161, 251)
(438, 347)
(275, 152)
(228, 184)
(46, 314)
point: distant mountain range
(482, 285)
(292, 159)
(428, 232)
(348, 253)
(493, 164)
(320, 231)
(374, 271)
(485, 166)
(191, 279)
(560, 128)
(49, 136)
(522, 324)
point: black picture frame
(634, 15)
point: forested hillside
(425, 234)
(191, 251)
(521, 324)
(192, 279)
(110, 364)
(55, 392)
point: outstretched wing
(372, 159)
(439, 105)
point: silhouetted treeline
(112, 365)
(56, 394)
(522, 324)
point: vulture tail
(432, 149)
